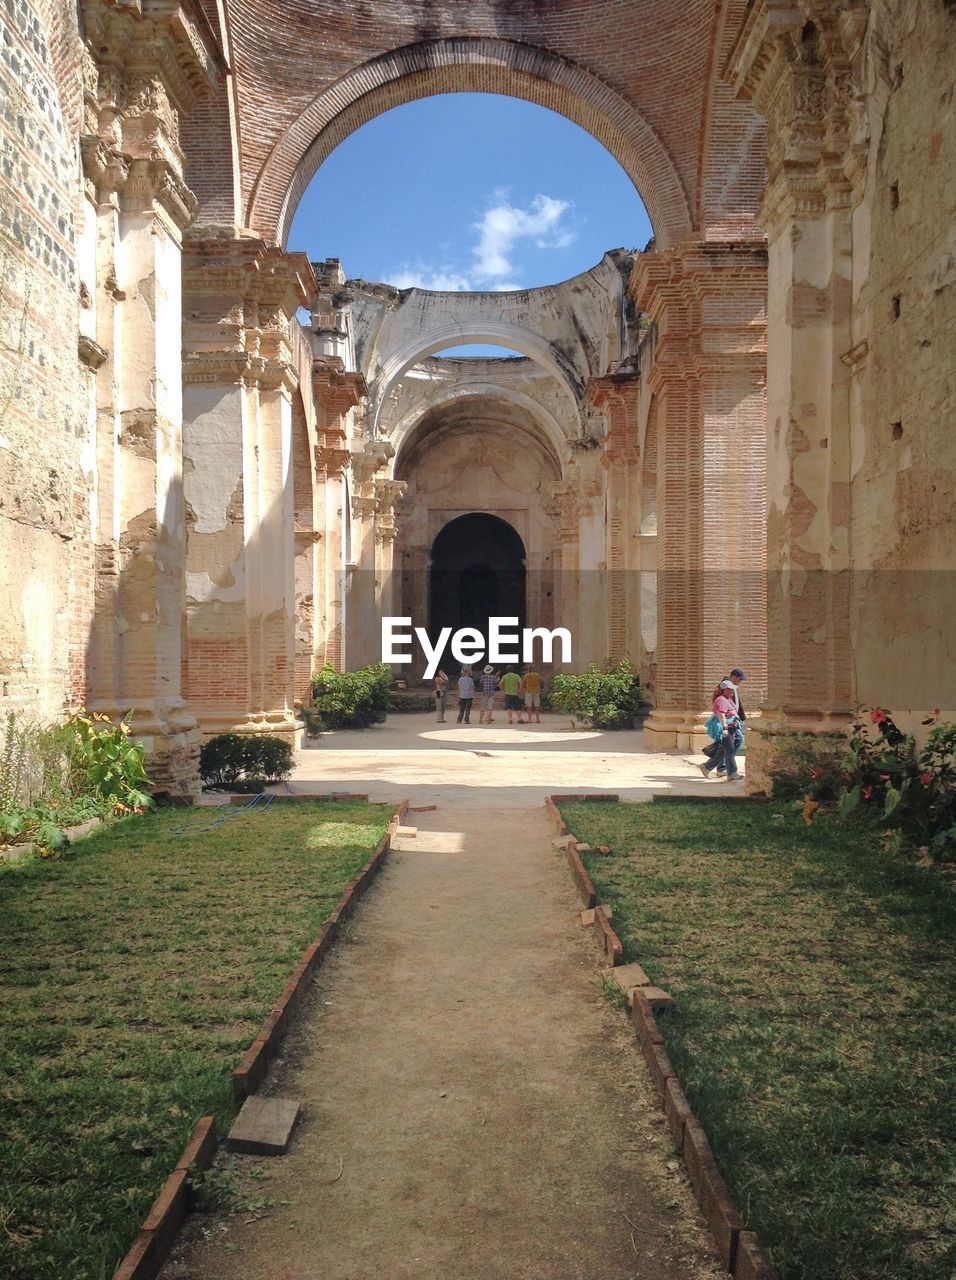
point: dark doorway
(477, 572)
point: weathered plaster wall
(46, 458)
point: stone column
(707, 302)
(105, 172)
(617, 396)
(142, 71)
(566, 577)
(336, 394)
(241, 299)
(791, 60)
(388, 494)
(363, 617)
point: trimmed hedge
(244, 760)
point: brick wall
(903, 479)
(645, 81)
(45, 458)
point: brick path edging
(158, 1233)
(739, 1251)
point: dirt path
(461, 1067)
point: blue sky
(469, 191)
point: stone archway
(487, 457)
(469, 65)
(477, 572)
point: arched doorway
(477, 572)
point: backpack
(714, 731)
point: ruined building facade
(733, 446)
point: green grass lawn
(132, 976)
(815, 1025)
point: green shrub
(910, 788)
(244, 761)
(272, 760)
(605, 698)
(412, 700)
(111, 760)
(352, 699)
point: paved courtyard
(497, 765)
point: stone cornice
(158, 37)
(224, 368)
(374, 456)
(273, 375)
(248, 268)
(329, 375)
(389, 493)
(801, 63)
(362, 506)
(614, 389)
(696, 268)
(330, 460)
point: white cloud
(500, 229)
(422, 276)
(502, 225)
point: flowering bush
(910, 788)
(810, 766)
(879, 772)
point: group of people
(725, 728)
(522, 694)
(523, 700)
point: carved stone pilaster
(801, 63)
(388, 494)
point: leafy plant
(908, 787)
(352, 699)
(411, 700)
(55, 776)
(244, 761)
(606, 698)
(113, 762)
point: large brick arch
(472, 66)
